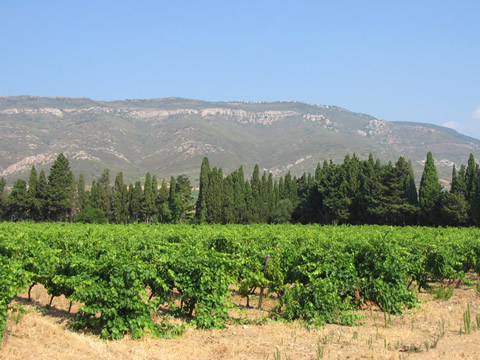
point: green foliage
(430, 192)
(91, 215)
(444, 293)
(124, 276)
(14, 279)
(19, 201)
(59, 189)
(282, 213)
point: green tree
(154, 199)
(454, 209)
(335, 200)
(282, 213)
(239, 196)
(19, 201)
(91, 215)
(3, 199)
(201, 205)
(136, 202)
(94, 195)
(430, 192)
(395, 207)
(180, 198)
(105, 194)
(213, 197)
(471, 178)
(34, 204)
(162, 203)
(42, 195)
(228, 200)
(120, 200)
(149, 208)
(81, 194)
(59, 189)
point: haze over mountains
(170, 136)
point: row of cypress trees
(353, 192)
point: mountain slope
(170, 136)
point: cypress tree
(149, 200)
(154, 198)
(105, 194)
(81, 194)
(201, 205)
(120, 200)
(228, 201)
(255, 201)
(42, 195)
(33, 200)
(171, 198)
(136, 202)
(430, 192)
(239, 196)
(94, 198)
(470, 178)
(74, 208)
(3, 199)
(162, 205)
(411, 187)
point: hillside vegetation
(171, 136)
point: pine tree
(335, 202)
(454, 209)
(19, 201)
(318, 172)
(59, 189)
(430, 192)
(395, 207)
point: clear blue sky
(396, 60)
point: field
(167, 292)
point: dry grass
(44, 334)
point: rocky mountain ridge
(170, 136)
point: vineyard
(137, 279)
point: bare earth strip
(44, 334)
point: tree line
(353, 192)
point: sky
(395, 60)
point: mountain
(170, 136)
